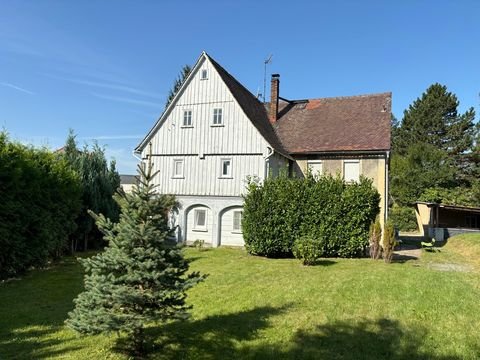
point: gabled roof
(352, 123)
(250, 105)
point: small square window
(237, 221)
(351, 170)
(204, 74)
(315, 167)
(217, 117)
(187, 118)
(226, 170)
(178, 168)
(200, 219)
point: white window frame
(187, 115)
(196, 226)
(352, 161)
(315, 162)
(175, 174)
(217, 118)
(204, 74)
(239, 229)
(229, 169)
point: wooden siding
(237, 135)
(202, 145)
(203, 176)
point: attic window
(217, 117)
(204, 75)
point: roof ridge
(346, 97)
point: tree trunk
(85, 242)
(138, 342)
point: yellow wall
(372, 168)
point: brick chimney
(274, 91)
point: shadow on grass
(229, 337)
(33, 309)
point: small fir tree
(375, 239)
(389, 242)
(139, 278)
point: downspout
(269, 154)
(387, 165)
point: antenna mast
(265, 62)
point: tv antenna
(265, 62)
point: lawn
(257, 308)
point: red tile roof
(353, 123)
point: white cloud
(18, 88)
(127, 100)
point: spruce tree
(178, 83)
(139, 278)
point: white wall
(227, 236)
(202, 145)
(191, 233)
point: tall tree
(138, 279)
(99, 182)
(434, 119)
(434, 152)
(178, 83)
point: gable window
(237, 221)
(204, 75)
(178, 168)
(351, 170)
(217, 117)
(315, 167)
(200, 220)
(226, 168)
(187, 118)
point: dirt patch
(407, 252)
(450, 267)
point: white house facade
(212, 138)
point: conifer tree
(139, 278)
(178, 83)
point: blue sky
(104, 68)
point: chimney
(274, 90)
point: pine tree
(178, 83)
(139, 278)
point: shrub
(307, 249)
(40, 199)
(389, 242)
(283, 209)
(375, 239)
(403, 218)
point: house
(127, 182)
(216, 134)
(441, 221)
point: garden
(253, 307)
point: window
(204, 75)
(226, 169)
(200, 220)
(178, 168)
(237, 221)
(315, 167)
(187, 118)
(351, 170)
(217, 117)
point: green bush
(40, 199)
(283, 209)
(403, 218)
(307, 249)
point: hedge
(283, 209)
(40, 199)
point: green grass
(257, 308)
